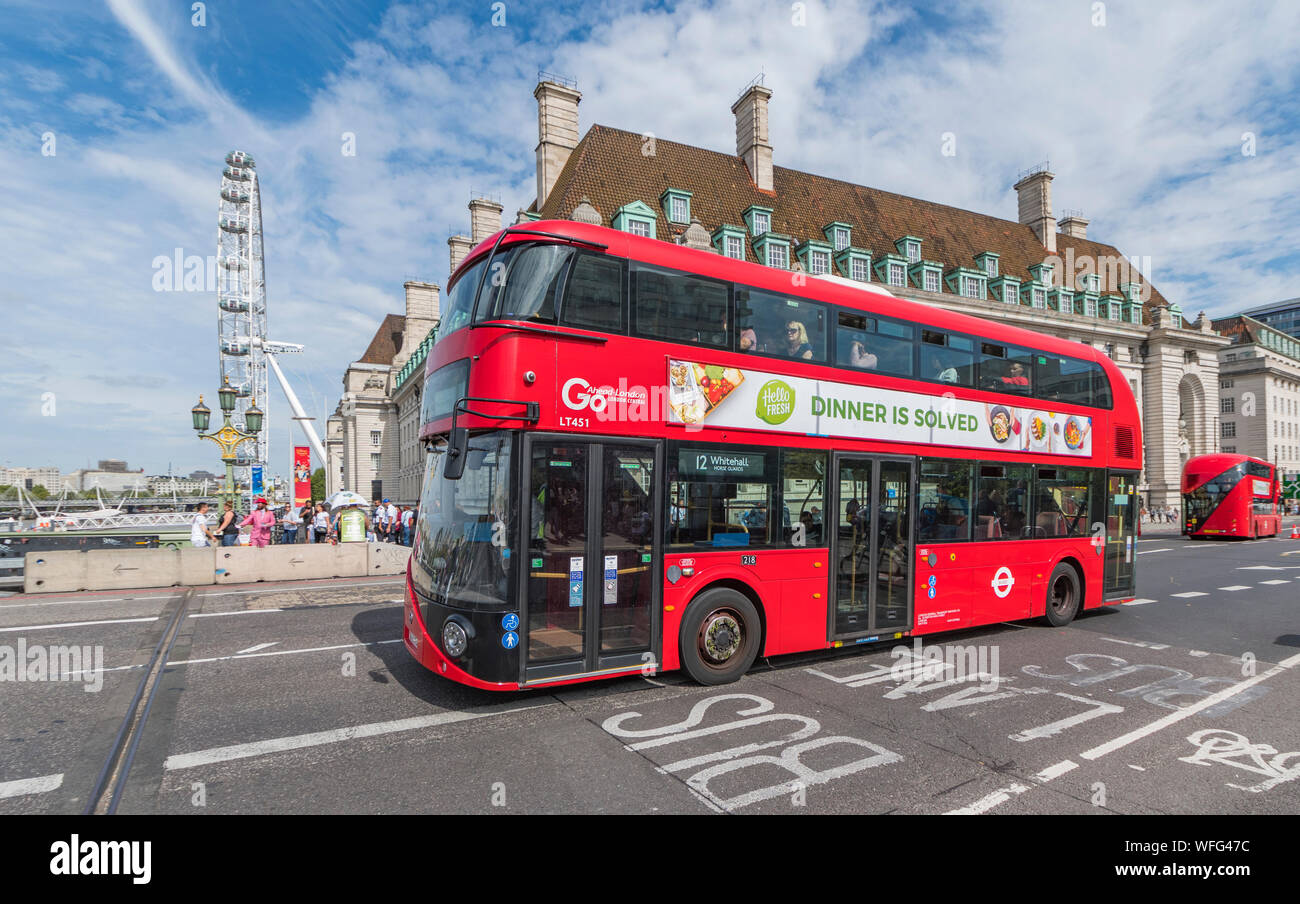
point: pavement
(300, 698)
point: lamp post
(229, 437)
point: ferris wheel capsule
(235, 174)
(234, 224)
(234, 306)
(238, 348)
(239, 158)
(235, 194)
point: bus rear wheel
(719, 636)
(1063, 595)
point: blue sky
(1140, 107)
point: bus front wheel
(719, 636)
(1063, 595)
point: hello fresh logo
(775, 402)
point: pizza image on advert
(717, 382)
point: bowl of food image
(1000, 423)
(1075, 432)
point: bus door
(872, 546)
(590, 557)
(1121, 536)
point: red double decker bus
(1228, 495)
(645, 457)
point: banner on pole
(301, 475)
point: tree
(39, 492)
(318, 484)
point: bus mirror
(457, 445)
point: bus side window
(780, 326)
(681, 308)
(1058, 379)
(532, 284)
(944, 501)
(947, 358)
(593, 298)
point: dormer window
(1038, 298)
(815, 257)
(637, 218)
(773, 250)
(677, 205)
(759, 220)
(930, 281)
(838, 234)
(972, 287)
(861, 269)
(897, 275)
(854, 263)
(730, 241)
(967, 282)
(1091, 282)
(910, 247)
(926, 275)
(1042, 273)
(988, 262)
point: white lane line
(1138, 734)
(342, 646)
(38, 785)
(1147, 552)
(1059, 769)
(1267, 567)
(314, 586)
(256, 647)
(315, 739)
(1139, 602)
(1138, 643)
(232, 612)
(1275, 582)
(1235, 587)
(81, 624)
(988, 802)
(1188, 594)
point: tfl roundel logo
(1003, 581)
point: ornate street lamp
(228, 437)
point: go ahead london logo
(775, 402)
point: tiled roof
(608, 166)
(388, 340)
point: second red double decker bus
(646, 457)
(1227, 495)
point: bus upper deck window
(531, 284)
(772, 324)
(593, 298)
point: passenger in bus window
(797, 344)
(860, 357)
(1015, 375)
(748, 339)
(941, 373)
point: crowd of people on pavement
(310, 523)
(1160, 514)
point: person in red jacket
(261, 521)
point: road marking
(1276, 582)
(1267, 567)
(1139, 643)
(81, 624)
(291, 586)
(1139, 602)
(1147, 552)
(1187, 712)
(232, 612)
(1235, 587)
(333, 736)
(1188, 594)
(37, 785)
(256, 647)
(1138, 768)
(984, 804)
(1059, 769)
(342, 646)
(1198, 653)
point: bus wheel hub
(720, 637)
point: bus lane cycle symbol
(1003, 581)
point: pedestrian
(377, 519)
(200, 536)
(391, 520)
(305, 515)
(321, 524)
(408, 524)
(352, 524)
(291, 521)
(261, 521)
(228, 528)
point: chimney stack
(1074, 224)
(557, 130)
(484, 219)
(421, 314)
(751, 134)
(459, 246)
(1034, 192)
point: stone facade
(1259, 393)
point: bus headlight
(454, 639)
